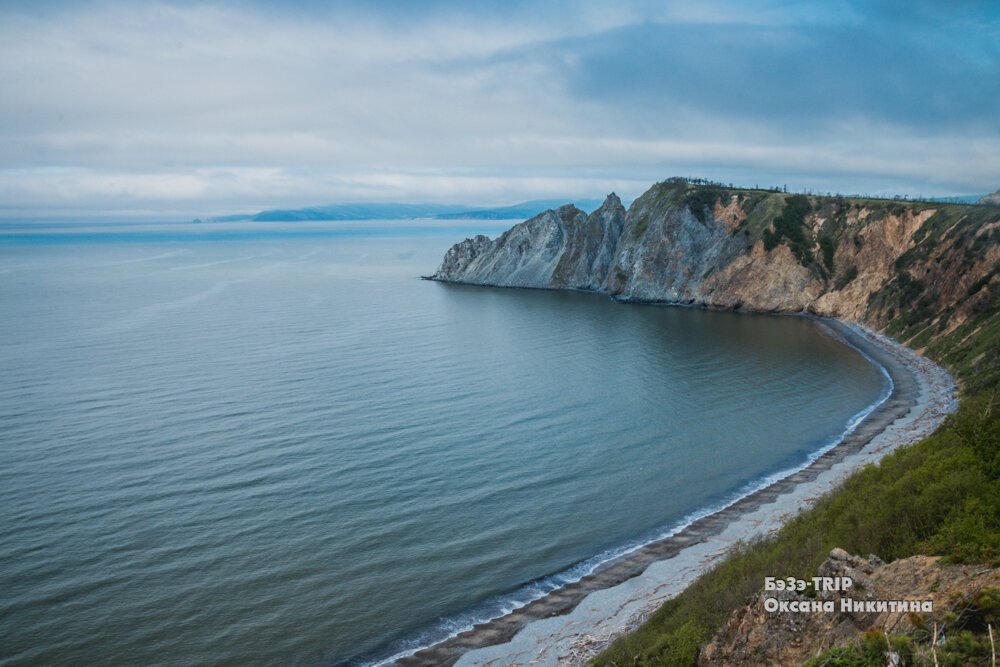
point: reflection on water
(280, 446)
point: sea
(274, 444)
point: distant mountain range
(992, 199)
(959, 199)
(520, 211)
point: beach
(571, 624)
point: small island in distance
(377, 211)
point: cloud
(809, 77)
(185, 106)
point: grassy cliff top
(940, 496)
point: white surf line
(605, 614)
(539, 589)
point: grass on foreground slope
(940, 496)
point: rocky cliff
(962, 599)
(916, 269)
(564, 248)
(927, 274)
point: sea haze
(274, 444)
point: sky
(174, 109)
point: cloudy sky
(187, 108)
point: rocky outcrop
(564, 248)
(872, 261)
(755, 636)
(992, 198)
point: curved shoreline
(558, 629)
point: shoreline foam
(573, 622)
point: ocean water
(274, 444)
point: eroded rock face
(564, 248)
(590, 248)
(461, 256)
(716, 247)
(992, 198)
(524, 256)
(755, 636)
(667, 253)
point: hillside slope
(924, 273)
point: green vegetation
(641, 225)
(761, 211)
(982, 282)
(828, 246)
(919, 310)
(657, 197)
(702, 200)
(940, 496)
(869, 653)
(790, 226)
(668, 190)
(972, 351)
(961, 647)
(846, 279)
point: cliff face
(564, 248)
(755, 636)
(993, 199)
(872, 261)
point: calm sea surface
(274, 444)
